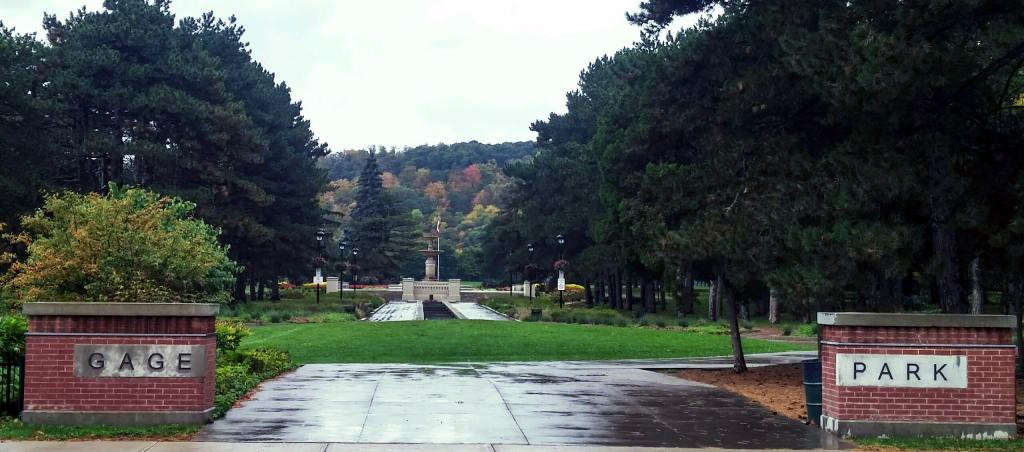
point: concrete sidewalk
(155, 446)
(607, 403)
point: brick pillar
(918, 375)
(119, 363)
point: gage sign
(140, 360)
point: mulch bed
(780, 388)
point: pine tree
(384, 234)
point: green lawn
(941, 444)
(13, 429)
(436, 341)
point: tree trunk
(977, 291)
(739, 361)
(239, 292)
(650, 306)
(252, 286)
(715, 298)
(275, 290)
(259, 289)
(661, 295)
(689, 295)
(773, 307)
(588, 295)
(943, 235)
(629, 291)
(617, 289)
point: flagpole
(438, 266)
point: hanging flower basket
(561, 264)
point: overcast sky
(409, 72)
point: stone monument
(430, 287)
(431, 253)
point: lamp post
(508, 260)
(100, 161)
(355, 265)
(529, 290)
(319, 258)
(341, 277)
(561, 276)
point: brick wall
(988, 398)
(51, 384)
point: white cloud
(411, 72)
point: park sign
(119, 363)
(918, 375)
(901, 371)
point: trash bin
(812, 390)
(535, 314)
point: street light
(508, 260)
(100, 161)
(529, 290)
(319, 257)
(341, 277)
(355, 265)
(561, 276)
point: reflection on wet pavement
(508, 403)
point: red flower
(561, 264)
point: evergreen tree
(29, 136)
(384, 234)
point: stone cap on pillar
(86, 308)
(916, 320)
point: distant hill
(457, 184)
(440, 159)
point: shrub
(560, 316)
(661, 323)
(267, 362)
(747, 325)
(230, 334)
(131, 245)
(807, 330)
(707, 327)
(12, 335)
(239, 372)
(331, 317)
(233, 382)
(573, 293)
(683, 323)
(787, 330)
(292, 293)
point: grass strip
(14, 429)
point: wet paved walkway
(474, 311)
(598, 403)
(154, 446)
(398, 311)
